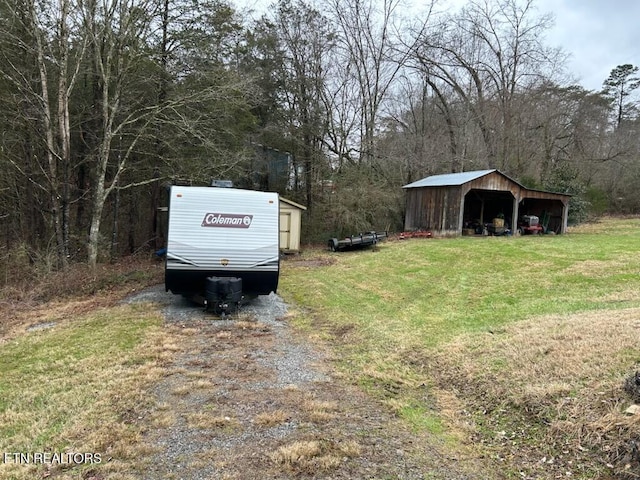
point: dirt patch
(311, 262)
(17, 319)
(30, 299)
(248, 398)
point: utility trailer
(222, 245)
(362, 240)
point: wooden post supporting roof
(438, 202)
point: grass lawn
(76, 386)
(514, 350)
(472, 318)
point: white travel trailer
(222, 244)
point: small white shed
(290, 225)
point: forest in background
(334, 104)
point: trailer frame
(362, 240)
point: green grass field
(450, 314)
(428, 291)
(75, 387)
(513, 350)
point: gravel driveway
(247, 397)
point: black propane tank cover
(212, 293)
(235, 289)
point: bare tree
(306, 40)
(489, 54)
(372, 57)
(57, 62)
(113, 28)
(417, 135)
(205, 98)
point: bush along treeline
(335, 105)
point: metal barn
(452, 203)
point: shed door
(285, 230)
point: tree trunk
(114, 232)
(96, 217)
(53, 171)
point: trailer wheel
(333, 244)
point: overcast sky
(599, 35)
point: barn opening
(477, 201)
(482, 206)
(550, 211)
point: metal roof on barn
(445, 204)
(449, 179)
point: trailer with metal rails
(362, 240)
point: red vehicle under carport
(529, 224)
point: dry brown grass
(209, 420)
(30, 295)
(551, 383)
(201, 460)
(111, 424)
(243, 323)
(99, 401)
(163, 419)
(182, 390)
(272, 418)
(320, 411)
(312, 456)
(597, 268)
(297, 454)
(601, 225)
(27, 282)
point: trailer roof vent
(221, 183)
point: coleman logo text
(230, 220)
